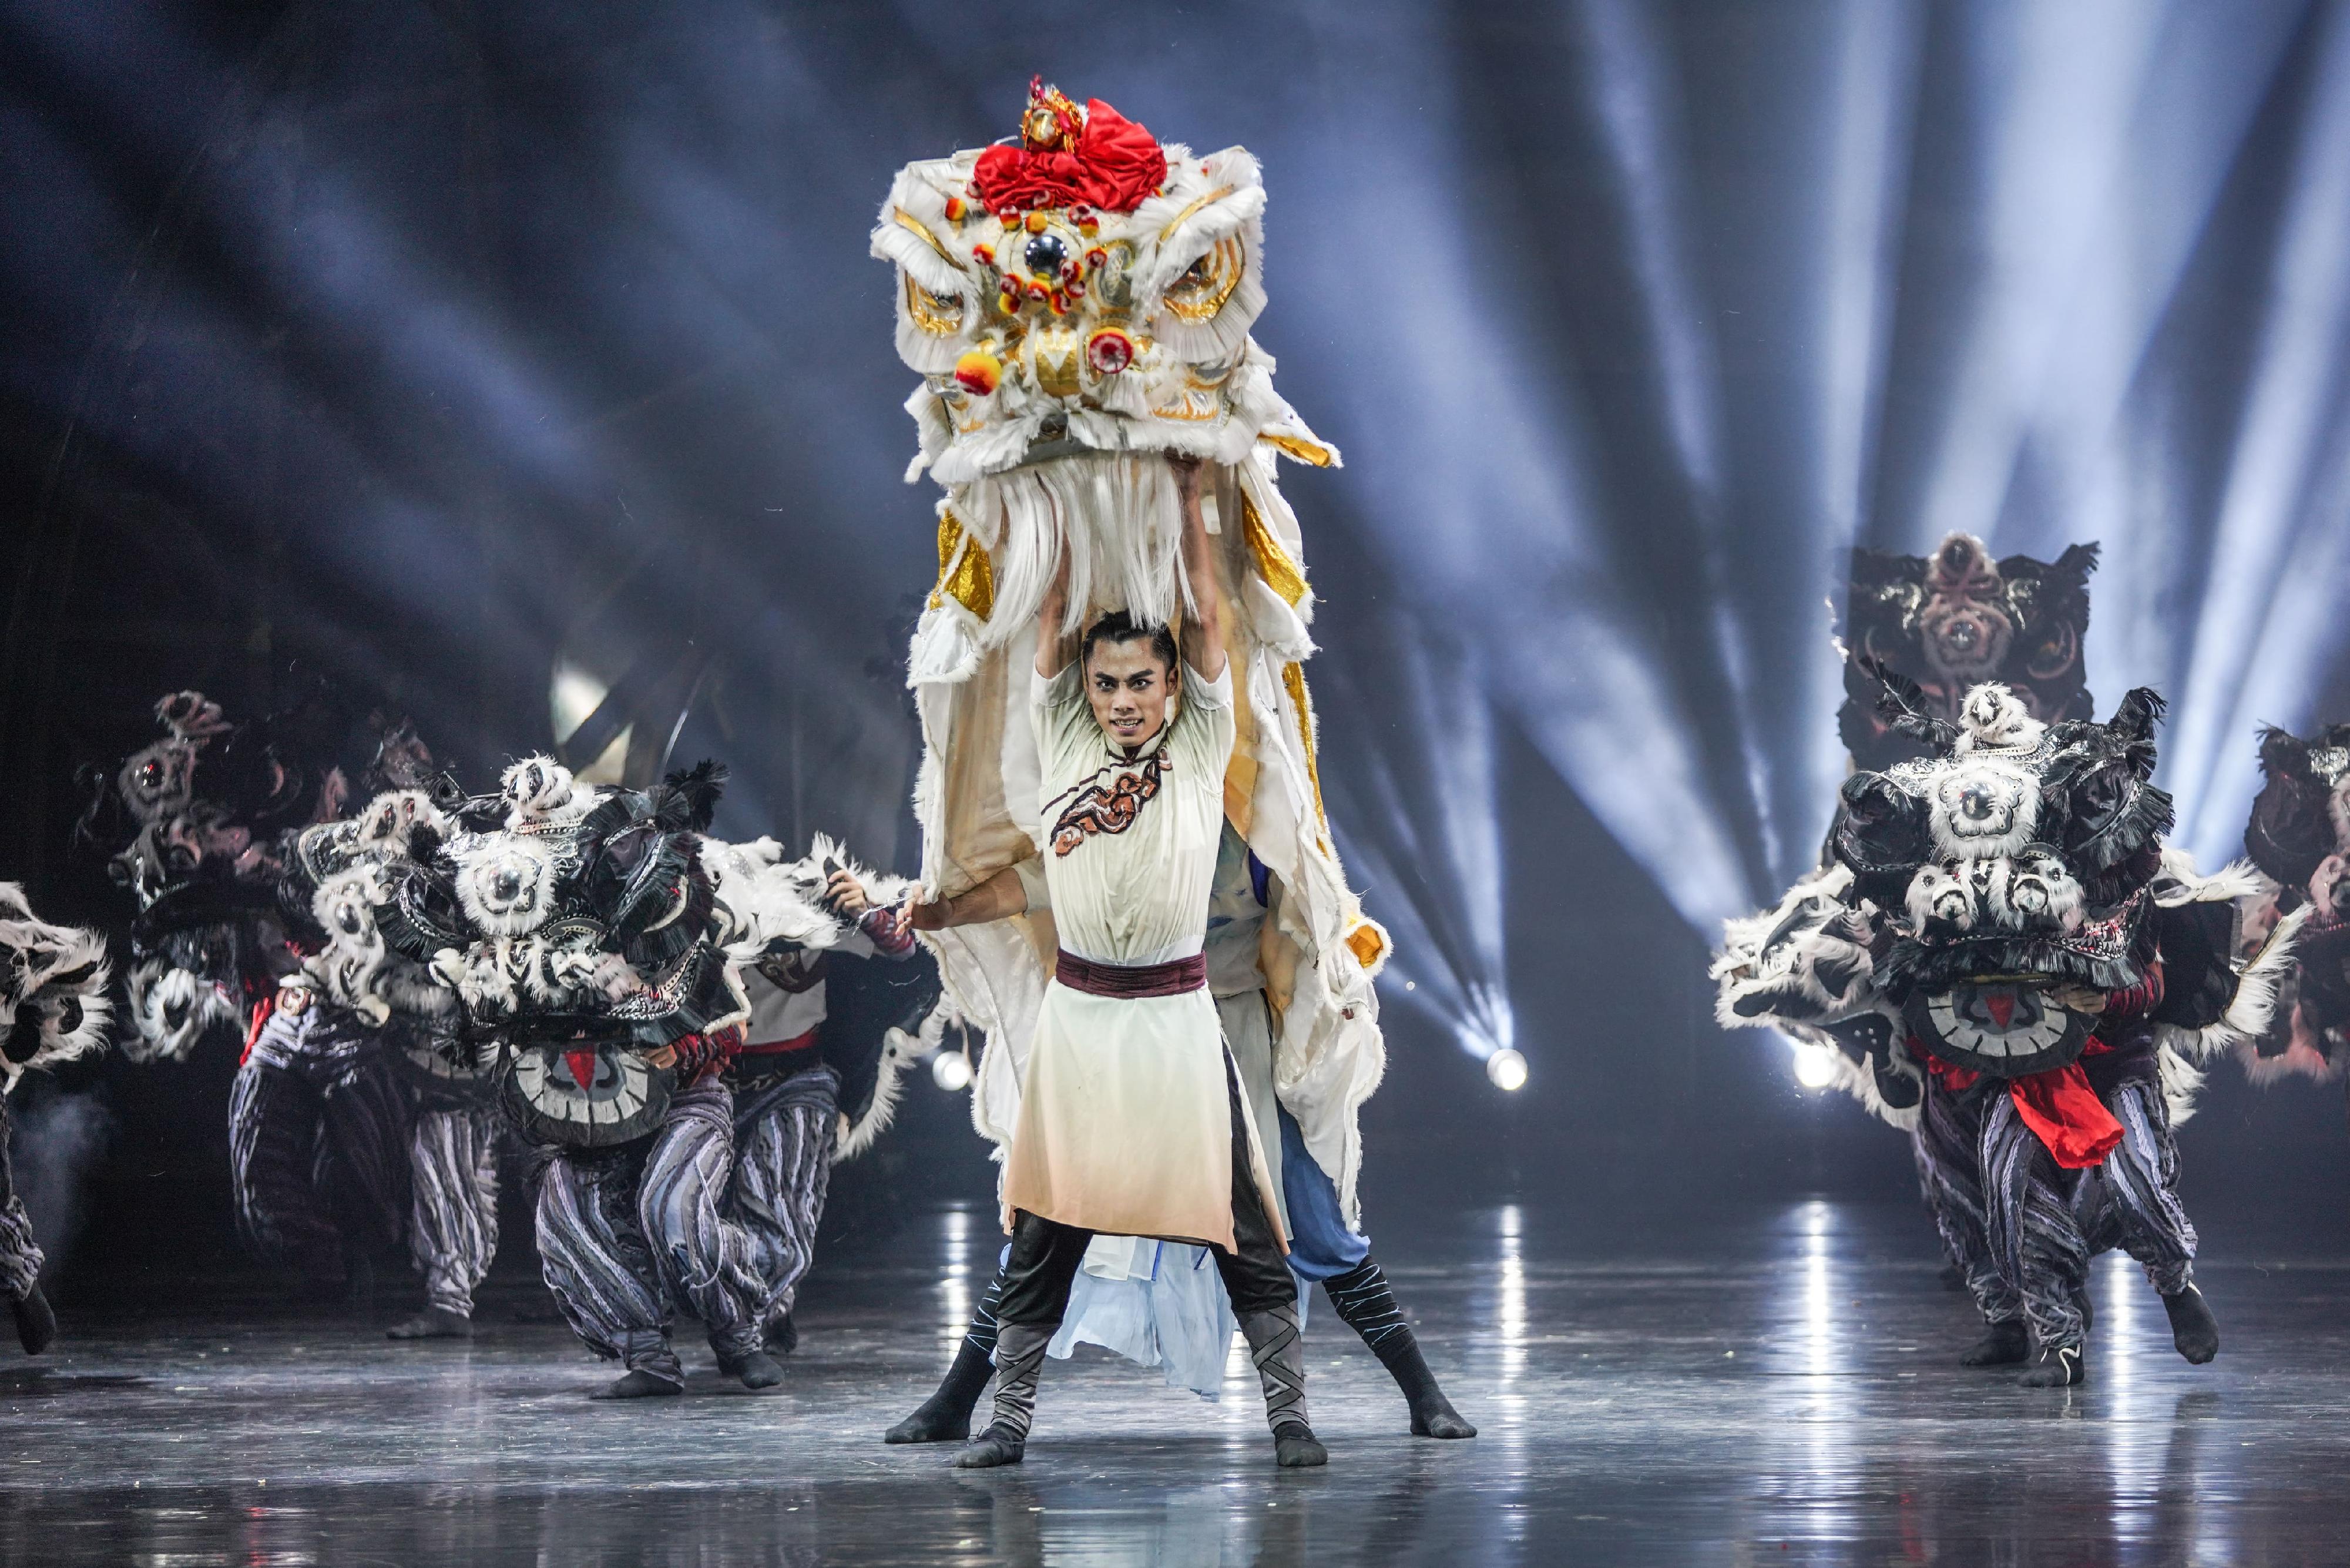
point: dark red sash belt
(803, 1042)
(1172, 978)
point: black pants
(1046, 1253)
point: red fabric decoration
(2059, 1107)
(2066, 1114)
(261, 1011)
(1115, 166)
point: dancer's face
(1127, 684)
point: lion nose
(508, 884)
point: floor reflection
(1776, 1387)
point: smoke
(58, 1140)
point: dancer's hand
(663, 1057)
(845, 894)
(925, 915)
(2078, 998)
(1187, 473)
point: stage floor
(1777, 1391)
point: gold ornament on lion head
(1085, 290)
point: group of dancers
(1129, 892)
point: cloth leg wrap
(704, 1258)
(784, 1140)
(597, 1264)
(981, 1334)
(2136, 1190)
(2036, 1235)
(1019, 1358)
(1365, 1304)
(1279, 1351)
(452, 1230)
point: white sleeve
(1055, 691)
(1198, 689)
(1033, 882)
(1207, 727)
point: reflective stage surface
(1778, 1391)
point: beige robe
(1125, 1126)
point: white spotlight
(1507, 1068)
(950, 1071)
(1815, 1066)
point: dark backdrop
(407, 344)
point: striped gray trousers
(627, 1235)
(453, 1232)
(1948, 1148)
(20, 1257)
(317, 1122)
(785, 1132)
(2025, 1228)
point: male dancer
(1243, 949)
(1132, 1120)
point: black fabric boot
(1019, 1358)
(2193, 1329)
(1279, 1351)
(637, 1385)
(2056, 1366)
(1363, 1302)
(783, 1336)
(945, 1416)
(2003, 1344)
(433, 1323)
(36, 1326)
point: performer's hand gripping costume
(53, 1008)
(1078, 305)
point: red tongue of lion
(2002, 1004)
(583, 1065)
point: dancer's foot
(2193, 1329)
(783, 1336)
(36, 1326)
(433, 1323)
(1296, 1448)
(937, 1420)
(637, 1385)
(758, 1370)
(1437, 1418)
(996, 1446)
(2056, 1366)
(945, 1416)
(2003, 1344)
